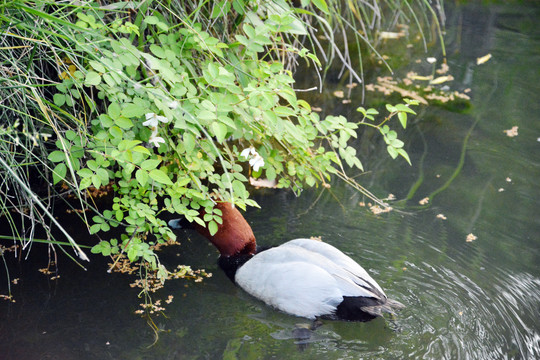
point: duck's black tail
(388, 307)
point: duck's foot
(303, 333)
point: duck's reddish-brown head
(234, 235)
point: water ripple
(456, 317)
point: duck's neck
(234, 236)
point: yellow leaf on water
(390, 35)
(419, 77)
(483, 59)
(441, 79)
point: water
(465, 300)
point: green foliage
(394, 145)
(178, 111)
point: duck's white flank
(305, 278)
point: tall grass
(33, 44)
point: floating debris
(7, 297)
(511, 132)
(471, 237)
(376, 209)
(483, 59)
(441, 216)
(339, 94)
(391, 34)
(443, 69)
(441, 79)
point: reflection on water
(465, 300)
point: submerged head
(234, 235)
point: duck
(301, 277)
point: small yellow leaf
(419, 77)
(483, 59)
(390, 35)
(441, 79)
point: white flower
(247, 151)
(156, 140)
(431, 60)
(173, 104)
(256, 162)
(153, 119)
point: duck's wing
(352, 275)
(281, 277)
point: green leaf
(114, 110)
(97, 66)
(160, 177)
(132, 253)
(59, 99)
(402, 116)
(94, 229)
(133, 110)
(220, 9)
(152, 20)
(142, 177)
(92, 79)
(390, 108)
(123, 122)
(85, 182)
(404, 154)
(59, 173)
(240, 189)
(141, 149)
(392, 151)
(150, 164)
(396, 143)
(404, 108)
(212, 227)
(321, 5)
(220, 130)
(57, 156)
(103, 175)
(100, 247)
(85, 173)
(189, 142)
(158, 51)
